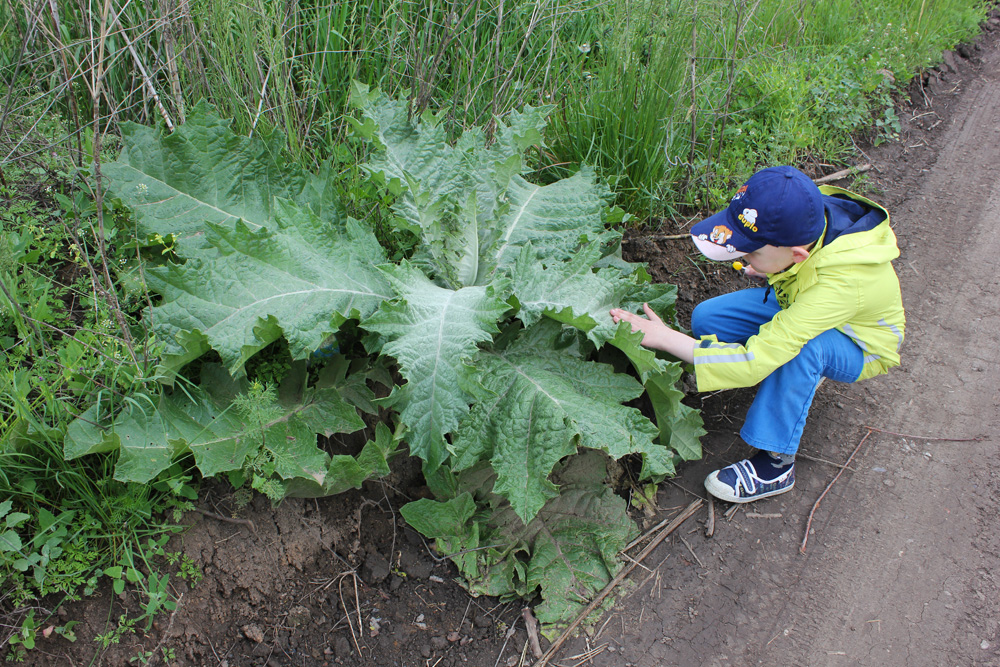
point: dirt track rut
(903, 566)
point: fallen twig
(710, 526)
(155, 653)
(978, 438)
(655, 542)
(691, 551)
(805, 538)
(843, 173)
(768, 515)
(588, 655)
(531, 625)
(732, 510)
(145, 76)
(647, 534)
(510, 633)
(347, 614)
(660, 237)
(809, 457)
(227, 519)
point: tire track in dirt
(898, 581)
(900, 568)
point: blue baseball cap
(778, 206)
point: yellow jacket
(846, 283)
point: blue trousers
(777, 416)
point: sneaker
(741, 482)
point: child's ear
(799, 253)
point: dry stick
(172, 71)
(227, 519)
(661, 237)
(805, 538)
(648, 533)
(347, 615)
(357, 604)
(843, 173)
(694, 74)
(109, 292)
(710, 526)
(163, 637)
(978, 438)
(731, 76)
(531, 625)
(74, 111)
(691, 551)
(809, 457)
(674, 525)
(145, 77)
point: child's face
(775, 259)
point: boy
(832, 308)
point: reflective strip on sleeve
(723, 358)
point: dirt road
(903, 564)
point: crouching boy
(831, 308)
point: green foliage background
(671, 103)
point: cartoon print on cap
(719, 236)
(739, 193)
(749, 218)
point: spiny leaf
(544, 403)
(568, 552)
(204, 421)
(301, 280)
(433, 332)
(569, 291)
(204, 173)
(436, 180)
(680, 425)
(554, 218)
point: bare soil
(902, 563)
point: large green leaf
(569, 291)
(554, 218)
(204, 173)
(467, 201)
(680, 426)
(301, 279)
(433, 332)
(207, 422)
(567, 553)
(545, 402)
(450, 523)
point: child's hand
(751, 272)
(656, 334)
(654, 330)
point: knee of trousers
(706, 319)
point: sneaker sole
(724, 492)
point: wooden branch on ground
(710, 526)
(596, 602)
(227, 519)
(805, 538)
(843, 173)
(660, 237)
(531, 626)
(145, 76)
(978, 438)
